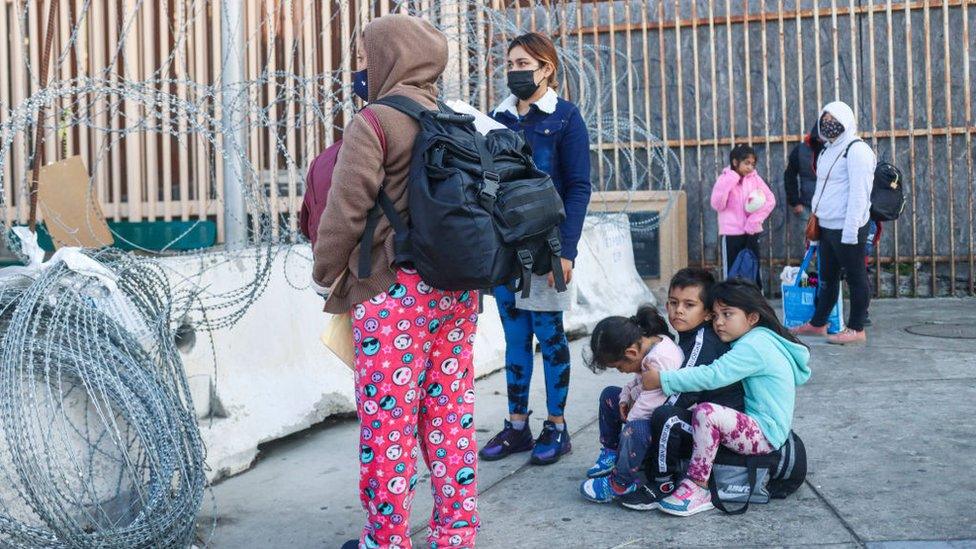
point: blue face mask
(359, 84)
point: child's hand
(624, 410)
(651, 379)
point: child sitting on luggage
(671, 422)
(768, 360)
(637, 345)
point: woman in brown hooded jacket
(414, 372)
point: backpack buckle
(525, 258)
(491, 180)
(555, 245)
(489, 190)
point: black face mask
(359, 86)
(522, 83)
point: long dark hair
(615, 334)
(744, 294)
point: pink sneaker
(848, 337)
(688, 499)
(808, 329)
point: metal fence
(696, 76)
(708, 74)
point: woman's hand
(798, 209)
(651, 379)
(567, 272)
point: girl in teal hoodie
(768, 360)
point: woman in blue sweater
(555, 130)
(768, 360)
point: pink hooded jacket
(729, 197)
(664, 356)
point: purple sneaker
(507, 442)
(551, 445)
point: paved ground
(889, 430)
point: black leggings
(733, 245)
(672, 441)
(837, 258)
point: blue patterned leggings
(520, 327)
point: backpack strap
(555, 249)
(848, 149)
(403, 104)
(382, 206)
(374, 123)
(527, 263)
(851, 144)
(524, 283)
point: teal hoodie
(769, 367)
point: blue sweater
(769, 367)
(560, 147)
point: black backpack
(481, 213)
(755, 479)
(887, 192)
(887, 195)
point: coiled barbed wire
(110, 454)
(100, 447)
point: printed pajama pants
(415, 395)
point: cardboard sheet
(72, 215)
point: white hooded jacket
(844, 201)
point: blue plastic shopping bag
(800, 302)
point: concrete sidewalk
(889, 431)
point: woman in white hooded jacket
(842, 203)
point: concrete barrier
(270, 376)
(607, 280)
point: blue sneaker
(600, 490)
(604, 464)
(507, 442)
(551, 445)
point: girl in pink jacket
(743, 202)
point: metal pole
(232, 130)
(38, 159)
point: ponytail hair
(744, 294)
(614, 335)
(740, 153)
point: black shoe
(867, 321)
(647, 498)
(351, 544)
(507, 442)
